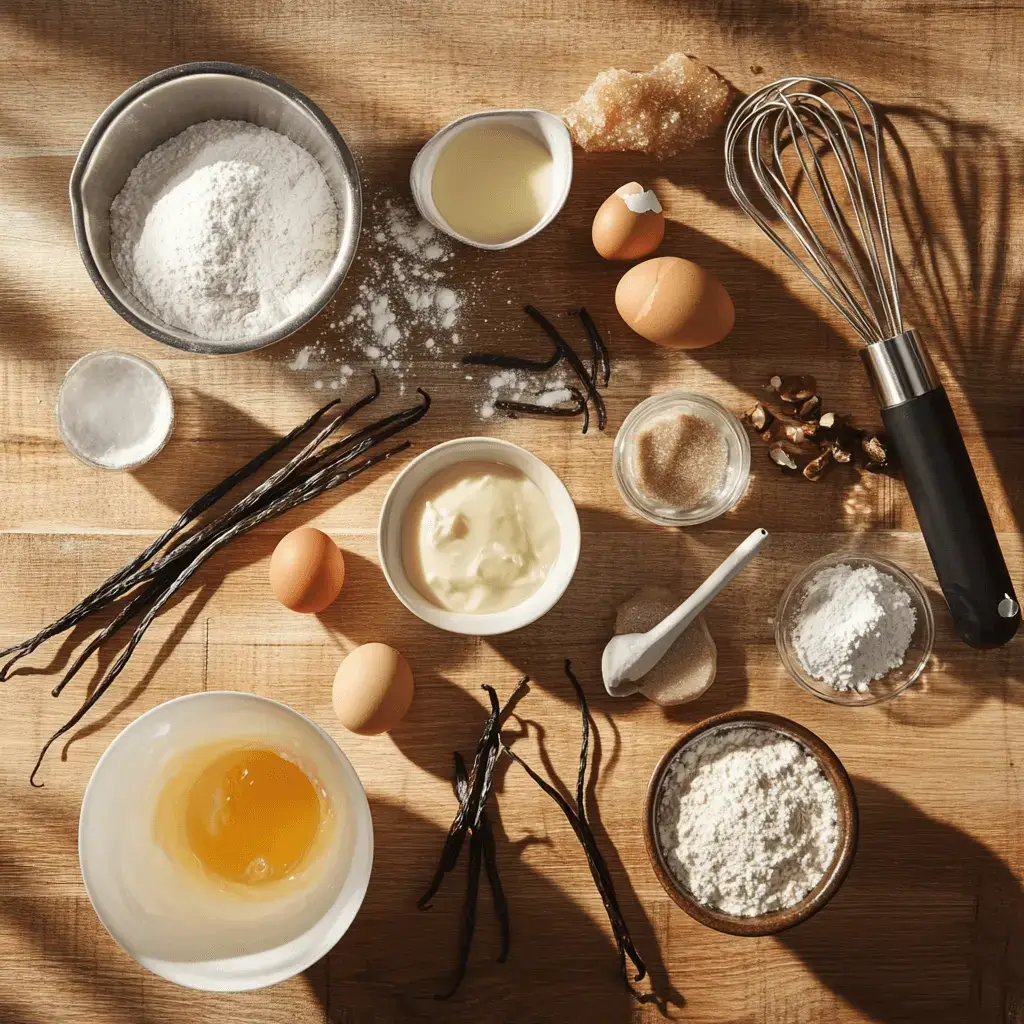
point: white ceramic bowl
(546, 127)
(477, 449)
(178, 926)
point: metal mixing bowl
(160, 107)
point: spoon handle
(672, 625)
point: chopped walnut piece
(809, 408)
(797, 389)
(759, 417)
(781, 457)
(816, 467)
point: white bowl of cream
(478, 536)
(494, 178)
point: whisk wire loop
(823, 121)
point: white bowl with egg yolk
(476, 450)
(182, 926)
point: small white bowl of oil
(225, 841)
(494, 178)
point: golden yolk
(251, 816)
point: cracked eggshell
(674, 303)
(629, 224)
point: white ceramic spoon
(630, 656)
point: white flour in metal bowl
(225, 230)
(747, 821)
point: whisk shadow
(956, 186)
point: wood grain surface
(929, 927)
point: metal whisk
(805, 158)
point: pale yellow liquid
(492, 182)
(247, 815)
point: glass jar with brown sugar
(681, 459)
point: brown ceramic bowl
(777, 920)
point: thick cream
(492, 181)
(478, 537)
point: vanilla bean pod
(156, 576)
(597, 343)
(623, 940)
(472, 790)
(285, 503)
(160, 573)
(480, 788)
(490, 857)
(194, 510)
(175, 557)
(306, 472)
(99, 597)
(468, 924)
(584, 833)
(531, 409)
(304, 463)
(503, 362)
(589, 384)
(600, 364)
(305, 477)
(481, 852)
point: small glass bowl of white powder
(750, 823)
(854, 629)
(114, 410)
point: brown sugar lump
(662, 111)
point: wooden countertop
(930, 925)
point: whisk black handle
(955, 522)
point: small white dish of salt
(114, 410)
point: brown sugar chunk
(662, 111)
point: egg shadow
(440, 707)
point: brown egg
(373, 689)
(674, 303)
(307, 570)
(622, 233)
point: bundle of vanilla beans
(472, 789)
(143, 587)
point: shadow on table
(957, 198)
(929, 925)
(176, 490)
(395, 959)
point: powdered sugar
(519, 386)
(399, 303)
(225, 230)
(853, 625)
(402, 294)
(747, 820)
